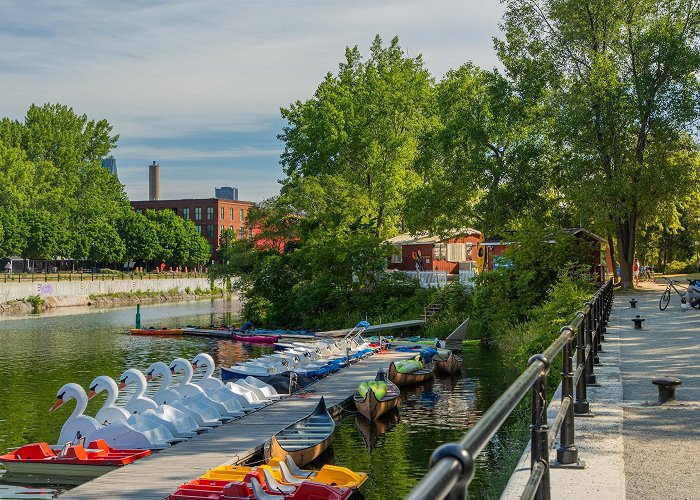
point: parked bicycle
(647, 274)
(692, 292)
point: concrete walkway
(634, 448)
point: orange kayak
(157, 331)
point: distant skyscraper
(226, 192)
(111, 165)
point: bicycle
(666, 296)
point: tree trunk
(611, 245)
(626, 229)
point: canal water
(40, 353)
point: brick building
(209, 215)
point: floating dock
(158, 475)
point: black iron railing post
(598, 323)
(539, 435)
(590, 374)
(581, 406)
(567, 453)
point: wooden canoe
(404, 379)
(447, 363)
(305, 439)
(370, 406)
(157, 331)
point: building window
(199, 228)
(241, 214)
(222, 213)
(241, 233)
(440, 251)
(186, 213)
(210, 213)
(456, 252)
(231, 228)
(230, 213)
(210, 231)
(222, 228)
(198, 213)
(396, 255)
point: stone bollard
(637, 322)
(633, 304)
(667, 388)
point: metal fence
(452, 465)
(88, 276)
(429, 279)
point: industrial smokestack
(154, 181)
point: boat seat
(273, 485)
(259, 493)
(294, 468)
(287, 476)
(75, 453)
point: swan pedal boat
(416, 377)
(258, 484)
(70, 462)
(305, 439)
(447, 363)
(287, 472)
(371, 407)
(157, 331)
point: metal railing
(452, 465)
(89, 276)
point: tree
(178, 240)
(361, 130)
(42, 235)
(99, 241)
(623, 82)
(488, 163)
(139, 233)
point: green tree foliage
(359, 133)
(140, 233)
(622, 80)
(178, 241)
(489, 162)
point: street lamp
(697, 243)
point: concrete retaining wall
(60, 291)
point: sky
(197, 85)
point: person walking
(635, 270)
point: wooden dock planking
(160, 474)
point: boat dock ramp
(156, 476)
(373, 329)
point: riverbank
(25, 298)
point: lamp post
(697, 243)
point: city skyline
(197, 87)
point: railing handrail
(452, 465)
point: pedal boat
(73, 461)
(287, 472)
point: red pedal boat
(255, 486)
(73, 461)
(255, 339)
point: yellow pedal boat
(286, 472)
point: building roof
(575, 231)
(190, 200)
(425, 238)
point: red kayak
(72, 461)
(254, 484)
(256, 339)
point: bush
(680, 267)
(36, 301)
